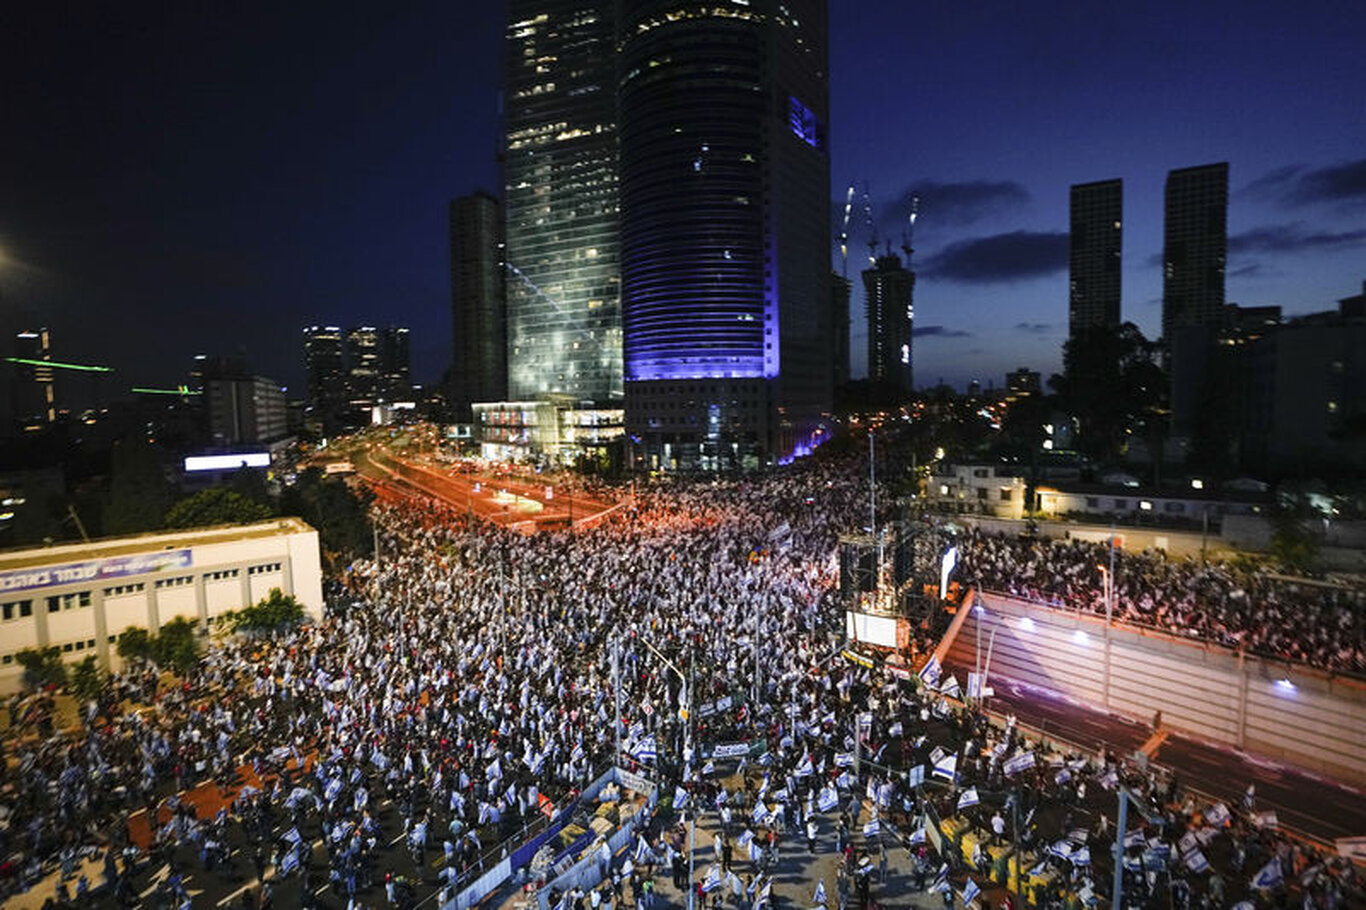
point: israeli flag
(292, 835)
(577, 754)
(1269, 877)
(819, 897)
(709, 767)
(844, 759)
(754, 852)
(805, 769)
(334, 789)
(1196, 862)
(1217, 815)
(712, 881)
(1134, 838)
(916, 776)
(918, 836)
(680, 797)
(1017, 763)
(929, 674)
(762, 899)
(642, 850)
(745, 837)
(870, 828)
(1062, 777)
(884, 795)
(495, 770)
(828, 799)
(290, 862)
(845, 781)
(760, 812)
(1082, 857)
(950, 689)
(967, 799)
(645, 749)
(894, 729)
(947, 768)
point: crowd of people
(473, 678)
(1253, 609)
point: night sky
(186, 178)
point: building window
(1093, 502)
(17, 608)
(1005, 496)
(174, 582)
(124, 589)
(982, 493)
(58, 602)
(1122, 504)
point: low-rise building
(78, 597)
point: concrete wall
(1297, 714)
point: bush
(87, 678)
(176, 647)
(135, 645)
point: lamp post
(690, 816)
(1108, 576)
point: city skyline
(189, 182)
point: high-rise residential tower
(478, 303)
(560, 199)
(725, 199)
(1095, 256)
(888, 290)
(363, 354)
(1195, 247)
(395, 364)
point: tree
(176, 646)
(43, 667)
(274, 613)
(215, 506)
(139, 493)
(339, 512)
(134, 645)
(86, 678)
(1111, 382)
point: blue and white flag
(950, 689)
(644, 750)
(967, 799)
(709, 767)
(642, 850)
(577, 754)
(915, 776)
(1134, 838)
(1017, 763)
(745, 837)
(884, 795)
(895, 729)
(292, 835)
(947, 768)
(844, 759)
(333, 790)
(819, 897)
(870, 828)
(1270, 876)
(1062, 777)
(970, 892)
(754, 852)
(1217, 815)
(495, 770)
(805, 768)
(289, 862)
(1196, 862)
(762, 899)
(760, 813)
(845, 781)
(929, 674)
(918, 836)
(829, 798)
(680, 797)
(1081, 856)
(712, 881)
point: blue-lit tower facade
(725, 196)
(560, 201)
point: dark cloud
(1251, 270)
(1297, 184)
(1000, 258)
(1291, 238)
(945, 204)
(938, 331)
(1034, 328)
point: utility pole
(616, 691)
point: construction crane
(908, 236)
(868, 223)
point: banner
(730, 750)
(94, 570)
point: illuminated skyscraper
(560, 196)
(1097, 211)
(35, 403)
(725, 196)
(888, 289)
(363, 366)
(325, 362)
